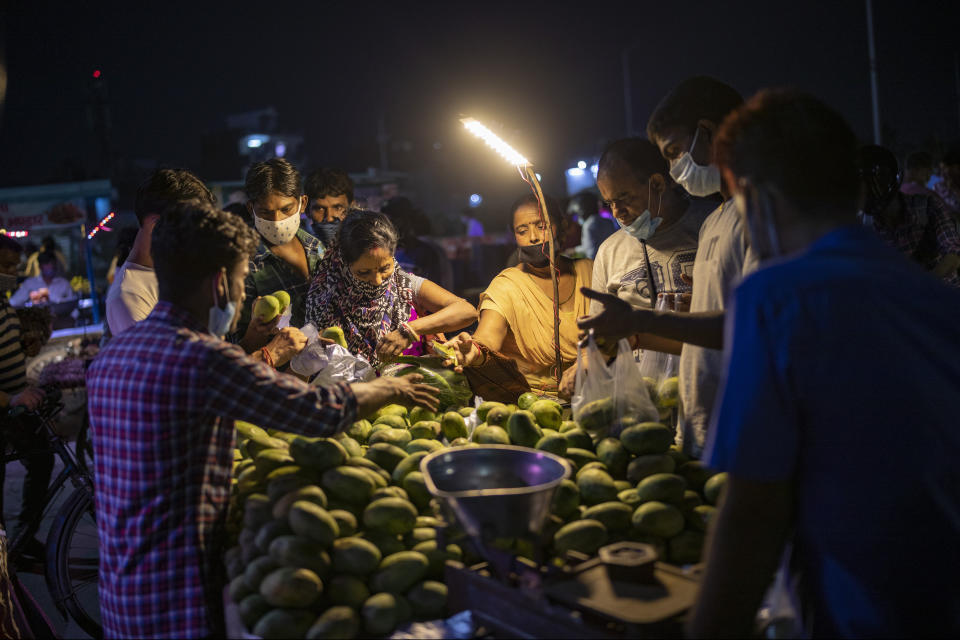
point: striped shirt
(13, 369)
(163, 396)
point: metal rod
(956, 79)
(627, 89)
(874, 83)
(532, 176)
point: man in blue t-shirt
(837, 420)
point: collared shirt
(850, 394)
(269, 274)
(163, 397)
(926, 233)
(950, 196)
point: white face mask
(696, 179)
(220, 320)
(278, 231)
(645, 225)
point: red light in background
(96, 73)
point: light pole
(874, 83)
(512, 156)
(627, 86)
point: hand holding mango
(266, 308)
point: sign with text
(30, 215)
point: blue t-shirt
(843, 376)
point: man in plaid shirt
(919, 226)
(163, 397)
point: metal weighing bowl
(495, 491)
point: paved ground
(35, 583)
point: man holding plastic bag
(825, 444)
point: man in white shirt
(683, 127)
(133, 293)
(49, 286)
(634, 179)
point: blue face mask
(645, 225)
(221, 320)
(326, 231)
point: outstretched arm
(619, 320)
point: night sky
(548, 72)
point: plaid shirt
(268, 274)
(927, 233)
(163, 396)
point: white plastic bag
(660, 372)
(326, 364)
(609, 396)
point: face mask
(326, 231)
(758, 212)
(645, 226)
(696, 179)
(534, 255)
(278, 232)
(7, 282)
(221, 320)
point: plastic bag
(660, 372)
(325, 364)
(608, 396)
(779, 616)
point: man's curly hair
(193, 240)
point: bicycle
(72, 553)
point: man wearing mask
(660, 225)
(800, 458)
(49, 286)
(683, 126)
(287, 257)
(916, 225)
(654, 250)
(329, 197)
(164, 396)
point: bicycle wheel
(72, 561)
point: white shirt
(722, 260)
(59, 290)
(620, 269)
(131, 297)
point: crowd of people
(816, 351)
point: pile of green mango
(336, 537)
(638, 486)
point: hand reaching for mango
(288, 342)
